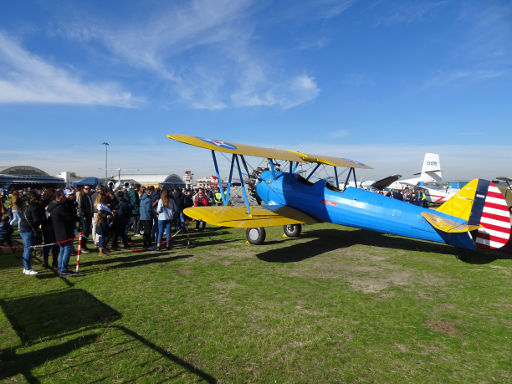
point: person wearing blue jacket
(146, 215)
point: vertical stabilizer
(495, 222)
(431, 170)
(481, 203)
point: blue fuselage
(355, 207)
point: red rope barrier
(158, 245)
(39, 245)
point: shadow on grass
(123, 263)
(325, 240)
(14, 364)
(483, 257)
(60, 314)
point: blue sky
(381, 82)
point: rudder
(481, 203)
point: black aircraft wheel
(292, 230)
(255, 235)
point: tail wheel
(292, 230)
(255, 235)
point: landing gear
(255, 235)
(292, 230)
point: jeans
(161, 225)
(64, 255)
(28, 240)
(154, 231)
(179, 221)
(15, 217)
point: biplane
(477, 216)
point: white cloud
(459, 162)
(289, 94)
(443, 78)
(340, 133)
(357, 79)
(409, 12)
(205, 50)
(27, 78)
(489, 33)
(484, 49)
(328, 9)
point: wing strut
(225, 199)
(245, 165)
(219, 180)
(336, 177)
(243, 185)
(312, 172)
(352, 170)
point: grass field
(333, 306)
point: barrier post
(78, 252)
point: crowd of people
(104, 216)
(414, 196)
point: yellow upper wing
(261, 216)
(269, 153)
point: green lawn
(335, 305)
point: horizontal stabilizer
(261, 216)
(446, 225)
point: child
(103, 225)
(5, 231)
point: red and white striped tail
(495, 221)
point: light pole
(106, 147)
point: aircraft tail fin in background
(431, 169)
(481, 203)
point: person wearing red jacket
(201, 201)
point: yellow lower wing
(447, 225)
(261, 216)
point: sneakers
(84, 250)
(29, 271)
(66, 273)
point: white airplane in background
(430, 173)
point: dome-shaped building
(156, 180)
(172, 181)
(22, 176)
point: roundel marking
(218, 143)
